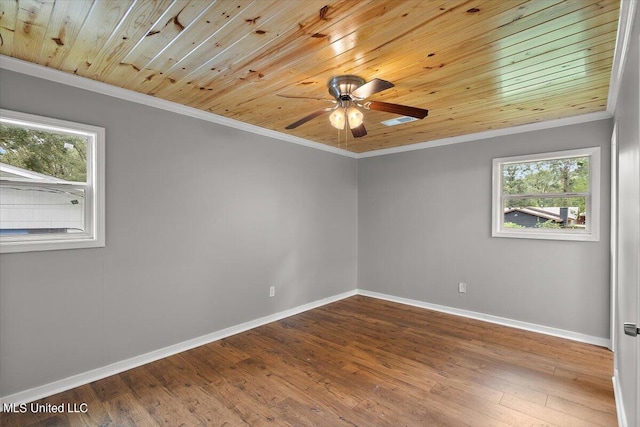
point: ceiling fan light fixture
(348, 90)
(355, 117)
(337, 118)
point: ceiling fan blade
(307, 118)
(403, 110)
(359, 131)
(369, 88)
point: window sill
(50, 245)
(541, 235)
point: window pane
(42, 155)
(41, 210)
(569, 175)
(548, 213)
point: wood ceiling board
(477, 99)
(543, 95)
(475, 64)
(303, 58)
(455, 29)
(193, 61)
(8, 14)
(454, 32)
(302, 18)
(457, 76)
(486, 82)
(258, 38)
(102, 20)
(205, 29)
(202, 59)
(299, 53)
(31, 24)
(450, 125)
(129, 32)
(446, 85)
(508, 111)
(492, 56)
(166, 30)
(324, 60)
(551, 61)
(481, 111)
(483, 107)
(446, 125)
(64, 26)
(457, 88)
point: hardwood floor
(357, 362)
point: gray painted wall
(627, 116)
(424, 222)
(201, 220)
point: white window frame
(592, 229)
(94, 188)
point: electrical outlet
(462, 287)
(272, 291)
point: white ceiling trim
(567, 121)
(36, 70)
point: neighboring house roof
(9, 171)
(551, 213)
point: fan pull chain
(346, 138)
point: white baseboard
(575, 336)
(617, 393)
(59, 386)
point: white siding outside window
(51, 184)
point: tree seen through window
(58, 155)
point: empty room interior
(320, 213)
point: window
(51, 184)
(548, 196)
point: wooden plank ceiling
(475, 65)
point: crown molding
(625, 24)
(36, 70)
(567, 121)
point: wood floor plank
(126, 410)
(489, 408)
(356, 362)
(302, 412)
(600, 417)
(205, 408)
(110, 388)
(544, 413)
(57, 420)
(164, 408)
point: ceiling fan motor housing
(348, 90)
(340, 87)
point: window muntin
(51, 184)
(547, 196)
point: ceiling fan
(349, 91)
